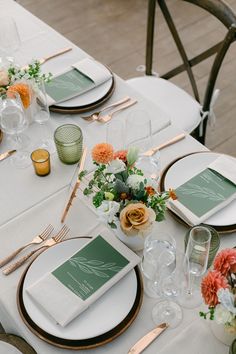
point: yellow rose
(4, 79)
(136, 219)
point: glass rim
(200, 227)
(70, 126)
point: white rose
(108, 210)
(134, 181)
(116, 166)
(222, 315)
(4, 79)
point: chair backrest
(226, 16)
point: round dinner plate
(6, 348)
(104, 320)
(182, 169)
(87, 101)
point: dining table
(29, 203)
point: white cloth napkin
(227, 168)
(60, 303)
(197, 338)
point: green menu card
(90, 268)
(67, 85)
(205, 191)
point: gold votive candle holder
(41, 162)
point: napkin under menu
(207, 192)
(79, 281)
(79, 78)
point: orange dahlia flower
(102, 153)
(24, 92)
(225, 261)
(121, 155)
(211, 283)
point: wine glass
(9, 38)
(197, 254)
(42, 116)
(171, 284)
(115, 134)
(13, 122)
(159, 249)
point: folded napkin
(79, 281)
(197, 338)
(207, 192)
(79, 78)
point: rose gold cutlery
(38, 239)
(6, 154)
(106, 118)
(50, 242)
(60, 52)
(73, 194)
(148, 339)
(95, 115)
(174, 140)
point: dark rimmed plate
(221, 228)
(86, 343)
(16, 342)
(85, 107)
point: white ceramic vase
(221, 333)
(135, 243)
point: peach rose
(136, 218)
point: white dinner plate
(185, 168)
(86, 99)
(105, 314)
(6, 348)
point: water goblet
(197, 254)
(159, 249)
(9, 38)
(13, 122)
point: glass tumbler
(69, 143)
(41, 162)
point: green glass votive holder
(69, 143)
(214, 246)
(232, 349)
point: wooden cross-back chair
(184, 110)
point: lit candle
(41, 162)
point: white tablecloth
(29, 203)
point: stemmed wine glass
(139, 134)
(42, 116)
(13, 122)
(197, 254)
(159, 249)
(171, 285)
(9, 38)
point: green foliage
(32, 71)
(209, 314)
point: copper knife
(6, 154)
(148, 339)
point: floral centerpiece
(219, 291)
(20, 80)
(121, 193)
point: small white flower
(222, 315)
(226, 298)
(108, 210)
(116, 166)
(134, 181)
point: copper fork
(38, 239)
(95, 116)
(52, 241)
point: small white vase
(135, 243)
(221, 333)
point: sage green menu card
(90, 268)
(67, 85)
(205, 191)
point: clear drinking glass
(197, 254)
(171, 285)
(13, 122)
(9, 38)
(42, 116)
(115, 134)
(159, 249)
